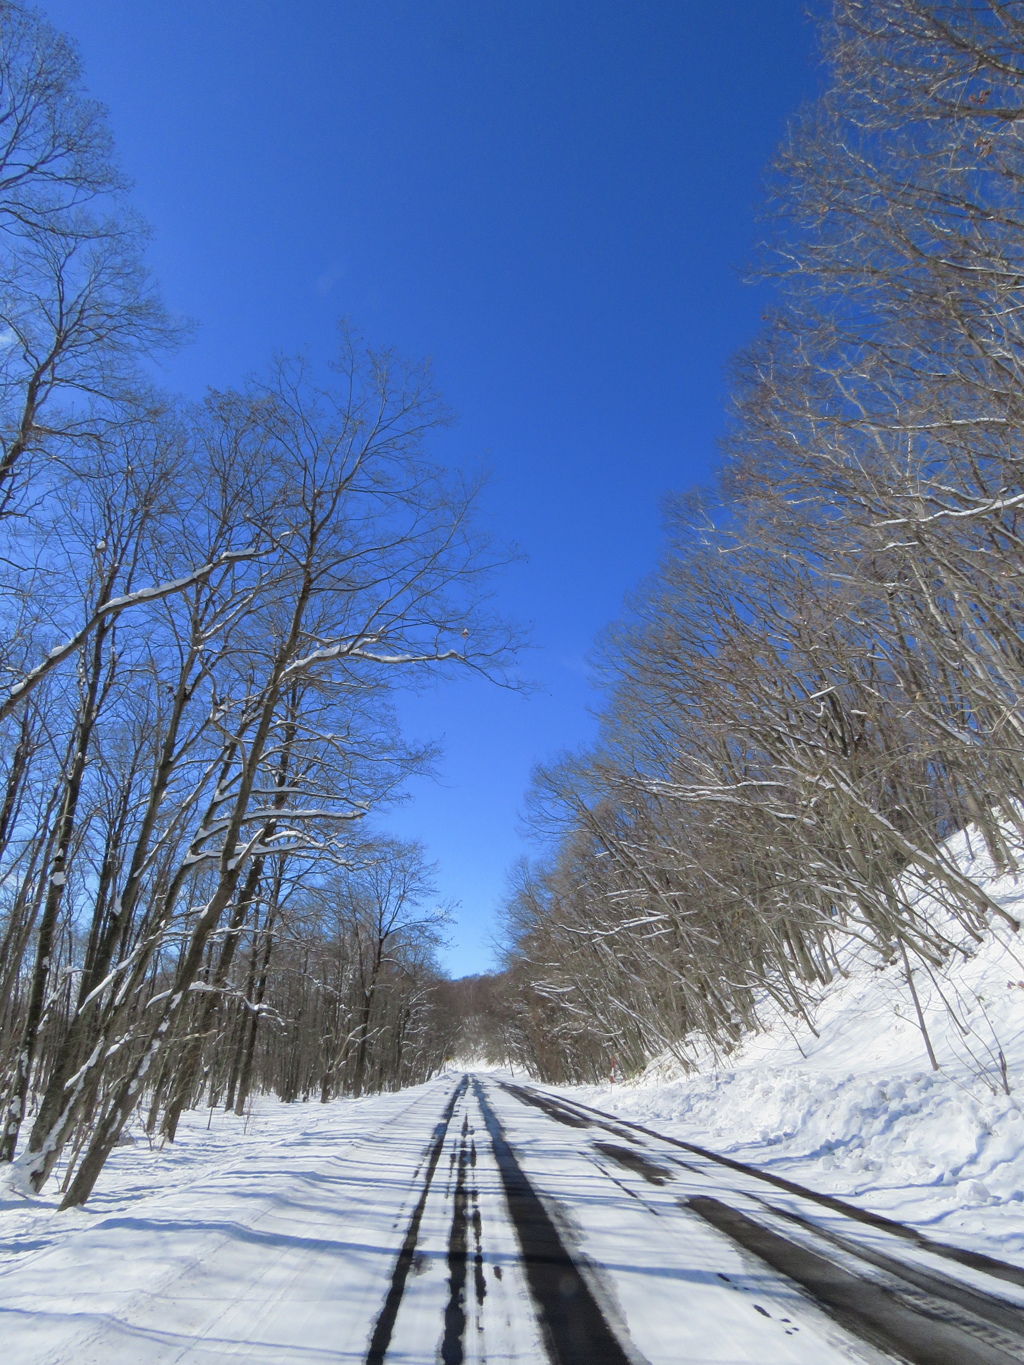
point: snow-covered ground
(210, 1145)
(858, 1111)
(283, 1244)
(469, 1221)
(280, 1237)
(271, 1237)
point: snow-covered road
(474, 1219)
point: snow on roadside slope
(857, 1111)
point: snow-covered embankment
(857, 1110)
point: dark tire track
(479, 1278)
(996, 1311)
(452, 1347)
(870, 1311)
(576, 1331)
(385, 1324)
(974, 1260)
(635, 1162)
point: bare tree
(823, 680)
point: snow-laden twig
(114, 607)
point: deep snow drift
(858, 1111)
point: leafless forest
(823, 679)
(207, 610)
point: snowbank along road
(483, 1220)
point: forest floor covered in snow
(850, 1104)
(210, 1144)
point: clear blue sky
(552, 198)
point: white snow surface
(857, 1110)
(185, 1247)
(275, 1242)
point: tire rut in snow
(637, 1163)
(927, 1332)
(452, 1348)
(927, 1318)
(974, 1260)
(385, 1324)
(576, 1331)
(996, 1311)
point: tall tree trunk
(192, 1054)
(56, 881)
(249, 1053)
(59, 1110)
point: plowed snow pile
(858, 1111)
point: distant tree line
(206, 611)
(824, 679)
